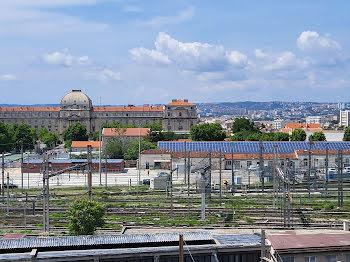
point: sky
(149, 52)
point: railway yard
(139, 206)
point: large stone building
(76, 106)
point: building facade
(344, 118)
(180, 116)
(77, 107)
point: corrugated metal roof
(70, 241)
(238, 239)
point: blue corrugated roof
(238, 239)
(70, 241)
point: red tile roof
(179, 102)
(288, 241)
(13, 236)
(129, 108)
(302, 125)
(125, 131)
(30, 109)
(257, 156)
(321, 152)
(84, 144)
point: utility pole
(340, 178)
(8, 195)
(275, 185)
(139, 171)
(22, 165)
(209, 177)
(309, 172)
(203, 188)
(261, 165)
(99, 147)
(106, 166)
(232, 171)
(89, 159)
(44, 192)
(220, 177)
(47, 209)
(326, 183)
(185, 169)
(3, 176)
(181, 248)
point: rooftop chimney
(186, 100)
(174, 100)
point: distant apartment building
(278, 124)
(315, 120)
(344, 118)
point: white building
(344, 118)
(314, 120)
(278, 124)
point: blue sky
(139, 52)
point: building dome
(76, 100)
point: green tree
(347, 134)
(132, 151)
(22, 133)
(243, 124)
(298, 135)
(318, 136)
(85, 216)
(43, 131)
(50, 139)
(169, 136)
(76, 132)
(6, 138)
(207, 132)
(281, 136)
(116, 148)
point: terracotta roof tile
(321, 152)
(125, 131)
(30, 109)
(129, 108)
(257, 156)
(302, 125)
(180, 102)
(84, 144)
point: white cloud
(7, 77)
(192, 56)
(107, 75)
(260, 54)
(311, 41)
(147, 56)
(180, 17)
(65, 59)
(286, 60)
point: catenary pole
(99, 146)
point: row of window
(329, 258)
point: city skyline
(132, 52)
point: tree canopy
(347, 134)
(132, 150)
(50, 139)
(75, 132)
(85, 216)
(207, 132)
(243, 124)
(298, 135)
(318, 136)
(6, 138)
(23, 133)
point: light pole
(99, 147)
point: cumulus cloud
(311, 40)
(192, 56)
(106, 75)
(182, 16)
(65, 59)
(7, 77)
(284, 61)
